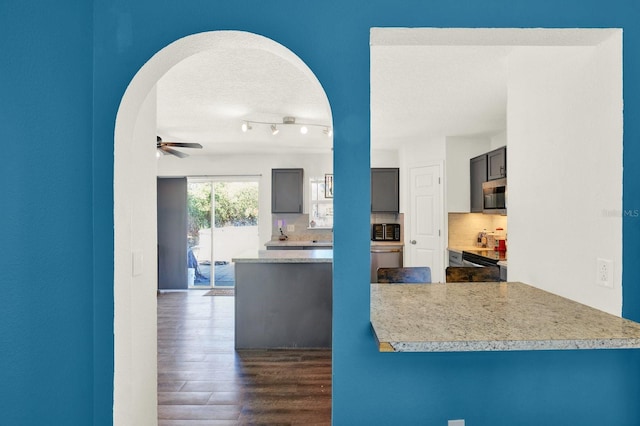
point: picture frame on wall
(328, 186)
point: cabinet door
(478, 173)
(286, 190)
(497, 163)
(385, 190)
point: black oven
(385, 232)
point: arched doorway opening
(135, 215)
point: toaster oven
(385, 232)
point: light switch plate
(291, 228)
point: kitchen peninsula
(497, 316)
(283, 299)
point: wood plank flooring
(202, 380)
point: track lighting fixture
(286, 122)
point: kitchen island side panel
(283, 305)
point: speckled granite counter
(459, 317)
(298, 243)
(285, 256)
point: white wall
(565, 169)
(459, 150)
(259, 165)
(385, 158)
(135, 320)
(499, 140)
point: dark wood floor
(202, 380)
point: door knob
(413, 241)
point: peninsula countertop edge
(285, 256)
(506, 316)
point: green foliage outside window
(236, 204)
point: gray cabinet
(385, 190)
(497, 164)
(287, 190)
(478, 173)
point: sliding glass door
(222, 223)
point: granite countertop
(460, 317)
(387, 243)
(301, 243)
(285, 256)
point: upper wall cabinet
(385, 190)
(478, 172)
(287, 190)
(497, 163)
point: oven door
(475, 260)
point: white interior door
(425, 239)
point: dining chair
(414, 274)
(462, 274)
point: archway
(135, 263)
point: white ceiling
(422, 92)
(425, 83)
(206, 97)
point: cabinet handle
(413, 241)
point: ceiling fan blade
(182, 144)
(172, 151)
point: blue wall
(46, 318)
(57, 320)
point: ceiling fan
(166, 147)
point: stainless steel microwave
(494, 194)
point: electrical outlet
(291, 228)
(604, 273)
(455, 423)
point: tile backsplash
(464, 227)
(302, 231)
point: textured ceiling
(422, 92)
(206, 97)
(425, 83)
(435, 82)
